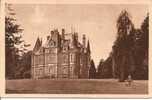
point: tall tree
(141, 50)
(145, 33)
(24, 68)
(105, 68)
(145, 38)
(13, 41)
(130, 50)
(92, 70)
(99, 69)
(122, 48)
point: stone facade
(62, 56)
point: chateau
(61, 56)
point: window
(65, 71)
(36, 59)
(39, 59)
(54, 43)
(71, 69)
(40, 71)
(37, 71)
(64, 49)
(47, 70)
(71, 58)
(46, 50)
(65, 59)
(51, 69)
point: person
(129, 80)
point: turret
(76, 36)
(37, 45)
(52, 32)
(48, 38)
(75, 40)
(88, 47)
(63, 33)
(84, 40)
(55, 36)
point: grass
(76, 86)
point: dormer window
(64, 48)
(52, 44)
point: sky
(96, 21)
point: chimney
(63, 33)
(52, 32)
(76, 36)
(48, 37)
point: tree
(92, 70)
(105, 68)
(145, 45)
(130, 50)
(99, 69)
(141, 50)
(13, 41)
(145, 33)
(24, 68)
(122, 48)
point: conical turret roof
(88, 47)
(37, 44)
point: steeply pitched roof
(88, 47)
(75, 41)
(37, 44)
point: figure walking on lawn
(129, 80)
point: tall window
(71, 58)
(64, 59)
(36, 59)
(65, 71)
(37, 71)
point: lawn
(76, 86)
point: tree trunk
(122, 71)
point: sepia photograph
(76, 48)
